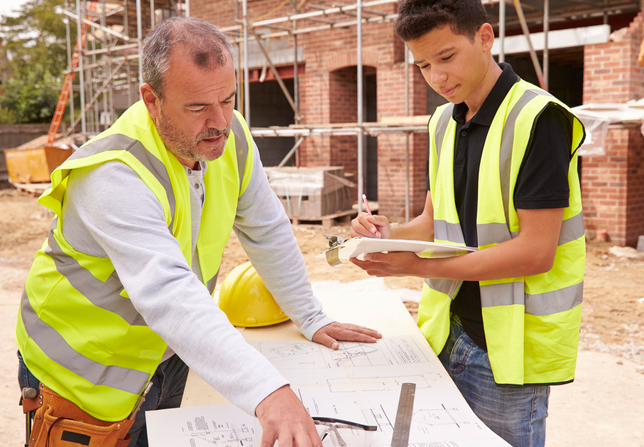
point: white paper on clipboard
(359, 246)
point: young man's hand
(367, 225)
(390, 264)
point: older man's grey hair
(207, 45)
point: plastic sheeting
(598, 117)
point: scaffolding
(109, 68)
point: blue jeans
(515, 413)
(168, 383)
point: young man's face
(452, 64)
(196, 112)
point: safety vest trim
(507, 143)
(448, 287)
(57, 349)
(538, 314)
(242, 148)
(571, 229)
(442, 129)
(551, 303)
(67, 363)
(137, 149)
(494, 232)
(212, 283)
(106, 295)
(540, 304)
(452, 230)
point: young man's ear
(486, 34)
(150, 99)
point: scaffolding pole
(407, 182)
(69, 63)
(79, 39)
(139, 38)
(113, 67)
(546, 56)
(360, 108)
(502, 31)
(526, 33)
(245, 46)
(296, 84)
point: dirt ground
(603, 407)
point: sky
(6, 6)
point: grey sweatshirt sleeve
(265, 233)
(109, 212)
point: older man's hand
(330, 334)
(285, 420)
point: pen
(366, 204)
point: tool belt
(59, 422)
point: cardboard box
(34, 165)
(311, 192)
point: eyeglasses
(331, 429)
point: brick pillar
(314, 106)
(343, 101)
(391, 146)
(613, 187)
(613, 184)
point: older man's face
(197, 108)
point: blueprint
(364, 380)
(359, 382)
(216, 425)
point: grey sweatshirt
(108, 211)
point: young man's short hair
(418, 17)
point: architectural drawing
(358, 382)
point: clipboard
(355, 247)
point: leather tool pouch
(61, 423)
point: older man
(120, 294)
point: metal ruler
(403, 415)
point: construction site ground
(602, 407)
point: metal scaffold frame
(113, 64)
(109, 57)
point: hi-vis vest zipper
(531, 324)
(77, 329)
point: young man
(502, 177)
(120, 294)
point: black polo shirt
(542, 181)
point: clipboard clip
(334, 241)
(332, 253)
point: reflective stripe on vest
(542, 311)
(136, 148)
(57, 349)
(90, 287)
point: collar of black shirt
(486, 113)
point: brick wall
(613, 184)
(611, 71)
(391, 147)
(613, 187)
(328, 95)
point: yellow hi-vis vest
(77, 329)
(531, 324)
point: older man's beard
(184, 146)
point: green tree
(34, 45)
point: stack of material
(312, 192)
(33, 162)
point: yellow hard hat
(246, 301)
